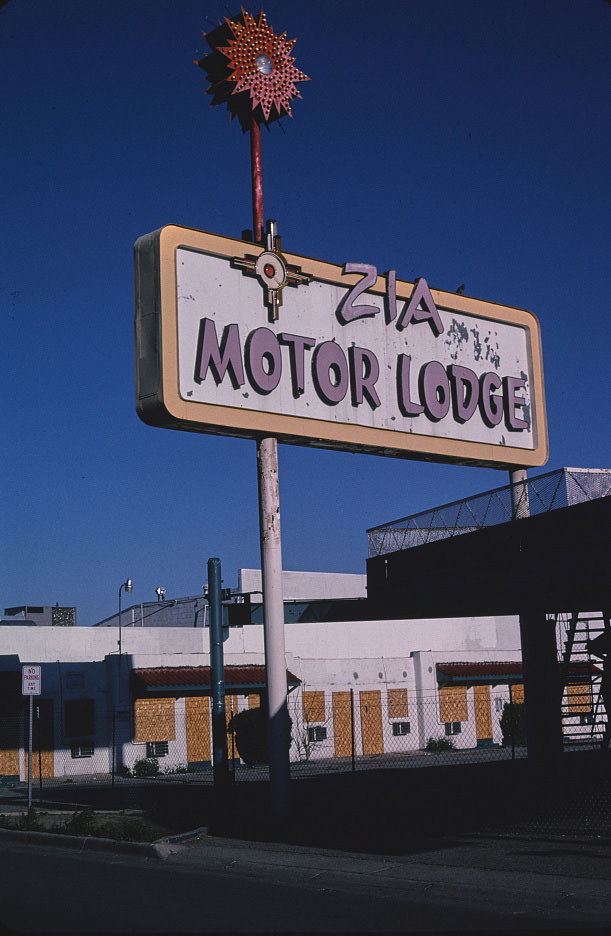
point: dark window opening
(401, 728)
(453, 727)
(317, 733)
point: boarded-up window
(517, 692)
(397, 703)
(254, 700)
(579, 698)
(314, 706)
(197, 711)
(79, 721)
(453, 704)
(154, 720)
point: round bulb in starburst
(264, 64)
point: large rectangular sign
(348, 359)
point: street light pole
(127, 585)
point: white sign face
(354, 360)
(30, 680)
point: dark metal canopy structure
(556, 561)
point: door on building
(11, 702)
(371, 722)
(197, 716)
(9, 740)
(483, 715)
(342, 723)
(43, 739)
(231, 709)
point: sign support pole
(30, 755)
(271, 563)
(273, 615)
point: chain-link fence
(449, 747)
(561, 488)
(334, 730)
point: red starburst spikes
(251, 70)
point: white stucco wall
(303, 586)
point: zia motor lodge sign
(235, 339)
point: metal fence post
(217, 677)
(352, 729)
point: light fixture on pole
(127, 585)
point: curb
(160, 849)
(182, 836)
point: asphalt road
(219, 886)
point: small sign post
(30, 686)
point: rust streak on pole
(257, 181)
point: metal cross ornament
(272, 271)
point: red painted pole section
(257, 181)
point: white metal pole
(30, 755)
(518, 481)
(273, 617)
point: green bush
(146, 767)
(437, 745)
(514, 730)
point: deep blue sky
(465, 141)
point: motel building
(373, 677)
(373, 689)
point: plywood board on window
(154, 720)
(231, 709)
(371, 722)
(517, 692)
(483, 712)
(313, 706)
(397, 703)
(453, 704)
(342, 723)
(197, 711)
(579, 698)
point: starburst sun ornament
(251, 69)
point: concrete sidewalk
(558, 883)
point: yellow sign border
(159, 403)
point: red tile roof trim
(179, 677)
(497, 671)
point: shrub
(81, 822)
(178, 769)
(436, 745)
(514, 730)
(146, 767)
(250, 728)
